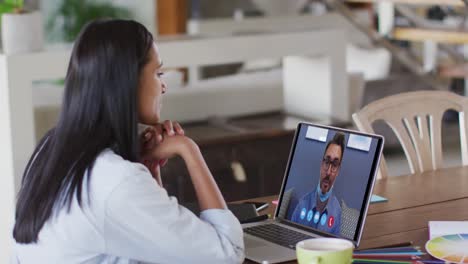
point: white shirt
(131, 219)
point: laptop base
(262, 251)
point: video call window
(327, 180)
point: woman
(85, 195)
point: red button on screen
(331, 221)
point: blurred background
(243, 73)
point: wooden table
(413, 201)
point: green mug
(324, 251)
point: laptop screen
(329, 178)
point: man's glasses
(327, 163)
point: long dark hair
(99, 111)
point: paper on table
(441, 228)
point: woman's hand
(208, 194)
(154, 135)
(177, 145)
(151, 138)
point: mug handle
(315, 260)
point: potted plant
(70, 16)
(21, 30)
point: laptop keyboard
(277, 234)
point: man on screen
(320, 209)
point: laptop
(325, 192)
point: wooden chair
(416, 119)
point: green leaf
(14, 3)
(74, 14)
(6, 8)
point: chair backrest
(416, 119)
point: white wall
(7, 189)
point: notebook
(378, 199)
